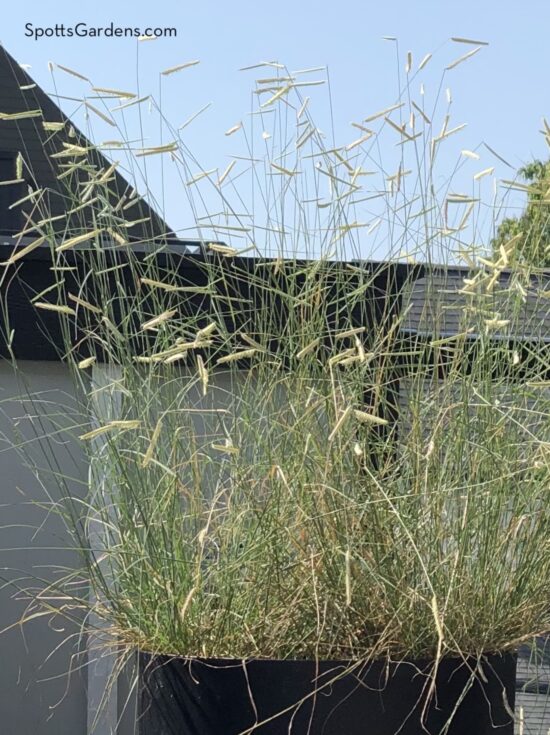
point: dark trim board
(37, 333)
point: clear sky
(503, 92)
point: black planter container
(213, 697)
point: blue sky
(502, 93)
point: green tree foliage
(533, 225)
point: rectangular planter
(302, 697)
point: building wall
(38, 694)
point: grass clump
(289, 457)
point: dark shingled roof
(28, 137)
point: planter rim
(233, 660)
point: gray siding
(437, 306)
(532, 698)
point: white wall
(37, 697)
